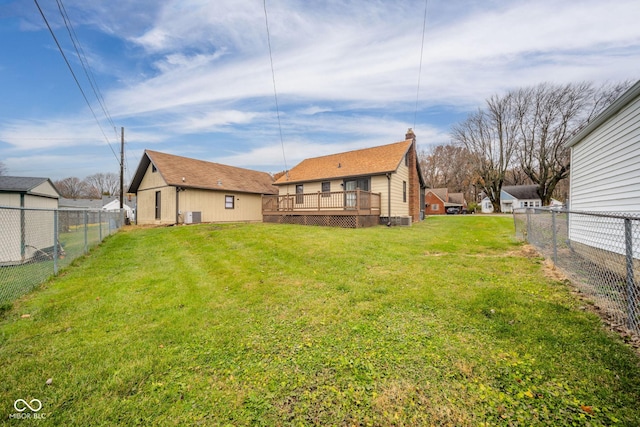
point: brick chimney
(410, 135)
(414, 180)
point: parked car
(453, 211)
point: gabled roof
(191, 173)
(457, 198)
(368, 161)
(440, 193)
(625, 99)
(522, 192)
(23, 184)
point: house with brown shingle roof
(438, 201)
(377, 185)
(174, 190)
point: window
(406, 159)
(229, 202)
(158, 210)
(299, 194)
(537, 204)
(435, 207)
(404, 191)
(326, 188)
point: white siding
(605, 177)
(38, 232)
(10, 235)
(10, 199)
(45, 189)
(605, 166)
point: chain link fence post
(555, 237)
(55, 242)
(36, 243)
(85, 217)
(631, 283)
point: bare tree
(548, 115)
(103, 184)
(516, 176)
(71, 188)
(448, 166)
(3, 169)
(490, 136)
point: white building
(26, 232)
(605, 173)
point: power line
(275, 92)
(424, 27)
(84, 62)
(75, 78)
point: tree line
(92, 187)
(517, 138)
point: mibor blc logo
(28, 409)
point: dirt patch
(526, 251)
(550, 271)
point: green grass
(17, 280)
(442, 323)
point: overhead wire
(75, 78)
(424, 27)
(275, 92)
(85, 63)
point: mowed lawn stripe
(447, 322)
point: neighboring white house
(605, 172)
(514, 197)
(519, 196)
(26, 232)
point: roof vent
(339, 165)
(220, 182)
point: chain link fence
(36, 243)
(599, 252)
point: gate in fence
(36, 243)
(599, 251)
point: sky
(194, 77)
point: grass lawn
(447, 322)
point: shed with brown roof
(172, 189)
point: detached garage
(26, 232)
(176, 190)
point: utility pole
(121, 167)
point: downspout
(177, 203)
(388, 199)
(178, 190)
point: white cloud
(346, 72)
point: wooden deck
(355, 208)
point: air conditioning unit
(191, 217)
(405, 220)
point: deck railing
(353, 202)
